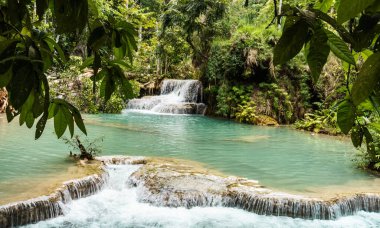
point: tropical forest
(189, 113)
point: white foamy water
(176, 97)
(117, 206)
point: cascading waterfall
(176, 97)
(131, 191)
(47, 207)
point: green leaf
(52, 110)
(29, 120)
(369, 77)
(6, 77)
(346, 116)
(375, 126)
(357, 136)
(10, 114)
(318, 52)
(107, 87)
(339, 48)
(21, 84)
(120, 63)
(40, 127)
(22, 117)
(290, 43)
(88, 62)
(368, 139)
(351, 8)
(60, 123)
(38, 105)
(79, 121)
(56, 46)
(69, 119)
(117, 39)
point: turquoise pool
(280, 158)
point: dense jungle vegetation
(313, 64)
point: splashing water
(117, 206)
(177, 97)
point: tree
(353, 36)
(198, 21)
(28, 51)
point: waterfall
(176, 97)
(170, 185)
(146, 182)
(47, 207)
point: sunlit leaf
(339, 48)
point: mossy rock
(264, 120)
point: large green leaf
(60, 123)
(346, 116)
(339, 48)
(318, 52)
(79, 121)
(6, 77)
(291, 42)
(351, 8)
(69, 119)
(29, 120)
(368, 139)
(21, 84)
(369, 77)
(53, 45)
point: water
(279, 158)
(118, 206)
(176, 97)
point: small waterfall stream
(176, 97)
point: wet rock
(51, 206)
(171, 183)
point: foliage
(322, 121)
(229, 99)
(319, 33)
(29, 51)
(199, 22)
(246, 112)
(370, 160)
(282, 107)
(87, 149)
